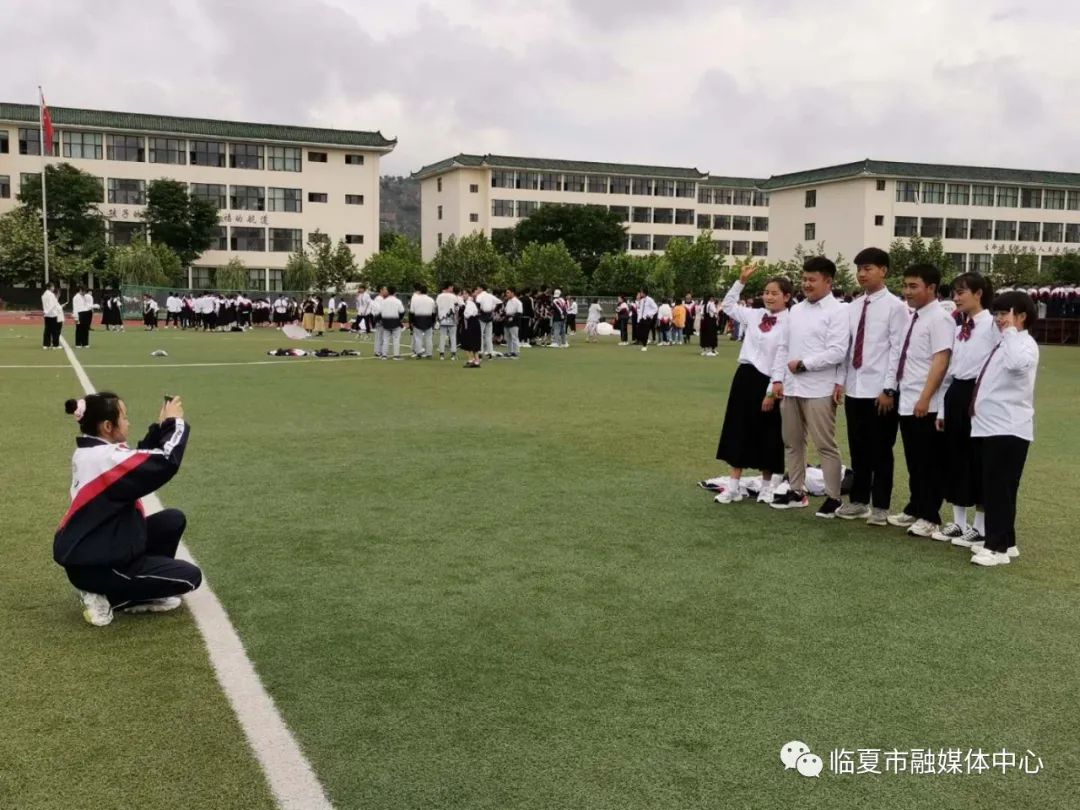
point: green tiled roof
(549, 165)
(921, 171)
(197, 127)
(732, 182)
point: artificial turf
(500, 588)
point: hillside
(399, 206)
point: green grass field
(501, 589)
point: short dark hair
(392, 290)
(975, 283)
(1017, 301)
(820, 264)
(925, 271)
(783, 282)
(872, 255)
(103, 406)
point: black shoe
(790, 500)
(828, 508)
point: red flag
(46, 125)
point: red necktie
(965, 329)
(767, 323)
(903, 351)
(860, 337)
(978, 380)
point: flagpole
(44, 195)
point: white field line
(288, 773)
(284, 361)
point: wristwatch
(890, 393)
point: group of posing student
(958, 388)
(52, 310)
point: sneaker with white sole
(878, 517)
(980, 547)
(96, 609)
(990, 558)
(901, 519)
(967, 539)
(162, 605)
(713, 483)
(790, 500)
(828, 508)
(853, 511)
(922, 528)
(766, 495)
(948, 533)
(730, 496)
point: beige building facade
(273, 185)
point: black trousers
(82, 329)
(644, 327)
(51, 334)
(1002, 459)
(623, 330)
(923, 452)
(871, 438)
(155, 575)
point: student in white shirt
(812, 350)
(752, 436)
(1003, 423)
(512, 309)
(363, 310)
(646, 318)
(391, 311)
(974, 339)
(82, 307)
(447, 305)
(486, 303)
(924, 359)
(172, 310)
(558, 321)
(877, 322)
(422, 321)
(470, 332)
(663, 319)
(52, 309)
(375, 313)
(571, 315)
(710, 326)
(592, 324)
(622, 317)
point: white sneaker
(644, 348)
(729, 496)
(967, 539)
(96, 608)
(878, 517)
(990, 558)
(980, 548)
(902, 519)
(163, 605)
(853, 511)
(922, 528)
(948, 533)
(766, 495)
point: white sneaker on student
(990, 558)
(766, 494)
(980, 548)
(163, 605)
(96, 608)
(948, 533)
(853, 511)
(729, 496)
(967, 539)
(922, 528)
(902, 519)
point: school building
(273, 185)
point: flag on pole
(46, 126)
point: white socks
(980, 522)
(959, 517)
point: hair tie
(80, 409)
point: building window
(125, 147)
(906, 226)
(1004, 231)
(5, 187)
(4, 146)
(982, 195)
(438, 184)
(1053, 231)
(981, 228)
(641, 214)
(809, 231)
(723, 196)
(640, 241)
(207, 153)
(286, 199)
(250, 239)
(1008, 196)
(212, 193)
(705, 195)
(1073, 203)
(275, 280)
(1029, 232)
(502, 208)
(623, 212)
(527, 208)
(317, 197)
(202, 278)
(664, 216)
(438, 212)
(685, 189)
(1072, 232)
(721, 247)
(879, 219)
(438, 239)
(931, 227)
(574, 182)
(221, 240)
(956, 229)
(739, 248)
(1054, 199)
(316, 157)
(549, 181)
(474, 217)
(740, 223)
(354, 160)
(528, 180)
(959, 194)
(759, 248)
(30, 141)
(256, 279)
(620, 185)
(82, 145)
(958, 262)
(980, 263)
(660, 241)
(704, 222)
(742, 196)
(596, 184)
(124, 233)
(354, 199)
(245, 156)
(933, 193)
(907, 191)
(761, 224)
(354, 239)
(247, 198)
(880, 185)
(664, 188)
(168, 150)
(811, 199)
(501, 178)
(127, 192)
(1031, 198)
(284, 159)
(722, 222)
(684, 216)
(286, 240)
(641, 186)
(474, 188)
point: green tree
(468, 261)
(21, 248)
(623, 273)
(1065, 268)
(334, 265)
(588, 231)
(398, 263)
(233, 277)
(187, 224)
(695, 265)
(548, 265)
(142, 264)
(1013, 266)
(661, 280)
(299, 272)
(76, 226)
(916, 250)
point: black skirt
(751, 438)
(708, 333)
(470, 335)
(963, 476)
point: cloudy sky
(754, 87)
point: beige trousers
(814, 418)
